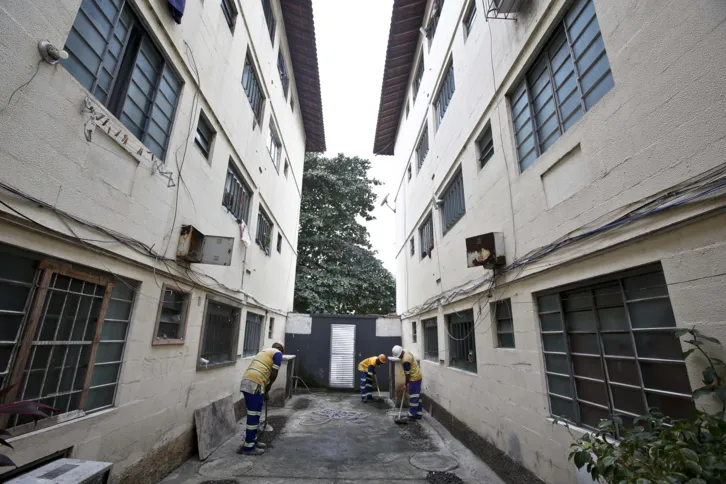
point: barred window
(274, 146)
(205, 135)
(485, 146)
(443, 98)
(609, 348)
(414, 332)
(219, 335)
(251, 85)
(112, 55)
(269, 18)
(502, 311)
(253, 334)
(431, 339)
(407, 110)
(422, 148)
(469, 17)
(279, 243)
(426, 236)
(282, 70)
(172, 316)
(453, 208)
(412, 243)
(264, 231)
(436, 8)
(271, 328)
(462, 345)
(418, 76)
(237, 195)
(409, 171)
(570, 75)
(229, 9)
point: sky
(352, 36)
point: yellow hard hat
(382, 358)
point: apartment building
(128, 126)
(590, 135)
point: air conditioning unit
(196, 247)
(486, 250)
(67, 471)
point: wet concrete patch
(301, 403)
(436, 477)
(419, 439)
(434, 462)
(379, 404)
(277, 423)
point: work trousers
(415, 408)
(253, 403)
(366, 385)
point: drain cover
(226, 467)
(433, 461)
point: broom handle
(403, 395)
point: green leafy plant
(657, 449)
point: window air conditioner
(67, 471)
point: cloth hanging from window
(176, 7)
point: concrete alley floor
(366, 448)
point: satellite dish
(385, 199)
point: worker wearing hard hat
(413, 381)
(256, 383)
(367, 370)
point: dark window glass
(282, 70)
(205, 135)
(414, 332)
(269, 18)
(485, 145)
(237, 195)
(230, 13)
(418, 76)
(253, 334)
(172, 314)
(422, 148)
(443, 99)
(505, 323)
(469, 17)
(412, 243)
(264, 231)
(462, 344)
(219, 335)
(251, 85)
(454, 207)
(431, 339)
(279, 243)
(426, 236)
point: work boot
(261, 445)
(253, 451)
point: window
(251, 85)
(609, 347)
(269, 18)
(485, 146)
(469, 17)
(237, 195)
(406, 109)
(219, 334)
(271, 328)
(422, 148)
(230, 13)
(412, 243)
(282, 70)
(279, 243)
(502, 311)
(205, 135)
(426, 236)
(253, 334)
(570, 75)
(264, 231)
(292, 104)
(462, 346)
(286, 170)
(409, 171)
(171, 317)
(274, 147)
(446, 92)
(453, 208)
(414, 333)
(64, 332)
(418, 76)
(431, 339)
(434, 19)
(112, 55)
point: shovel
(380, 398)
(399, 420)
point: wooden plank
(94, 347)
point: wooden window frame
(156, 341)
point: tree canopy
(337, 269)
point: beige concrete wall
(662, 123)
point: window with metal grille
(253, 334)
(422, 148)
(502, 311)
(264, 231)
(282, 70)
(412, 243)
(230, 13)
(172, 315)
(414, 332)
(64, 332)
(431, 339)
(446, 92)
(426, 236)
(271, 328)
(418, 76)
(112, 55)
(454, 207)
(609, 348)
(462, 345)
(570, 75)
(485, 146)
(251, 85)
(409, 171)
(274, 146)
(469, 17)
(269, 18)
(205, 135)
(219, 334)
(436, 8)
(237, 194)
(279, 243)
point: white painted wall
(661, 124)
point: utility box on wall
(198, 248)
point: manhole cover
(226, 467)
(443, 478)
(432, 461)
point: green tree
(337, 269)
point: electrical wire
(26, 83)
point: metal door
(342, 356)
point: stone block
(215, 424)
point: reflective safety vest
(372, 361)
(414, 374)
(261, 367)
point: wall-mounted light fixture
(50, 53)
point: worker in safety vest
(413, 382)
(367, 370)
(256, 383)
